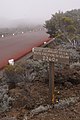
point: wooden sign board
(51, 55)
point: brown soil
(35, 94)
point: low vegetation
(14, 74)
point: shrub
(14, 74)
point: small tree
(65, 25)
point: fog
(16, 12)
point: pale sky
(35, 10)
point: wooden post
(51, 82)
(51, 56)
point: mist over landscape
(7, 23)
(14, 13)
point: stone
(9, 118)
(40, 109)
(66, 102)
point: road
(19, 45)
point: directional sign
(51, 55)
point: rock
(9, 118)
(40, 109)
(66, 102)
(25, 117)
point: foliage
(64, 25)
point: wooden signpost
(52, 56)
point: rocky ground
(24, 89)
